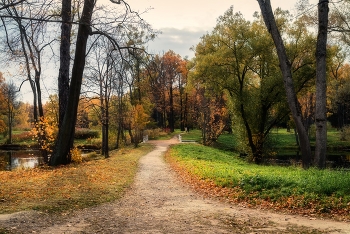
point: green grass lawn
(192, 135)
(283, 142)
(322, 191)
(283, 138)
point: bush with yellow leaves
(76, 155)
(45, 131)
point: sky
(183, 22)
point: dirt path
(159, 203)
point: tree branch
(11, 4)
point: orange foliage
(45, 132)
(3, 126)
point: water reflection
(10, 160)
(340, 159)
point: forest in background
(234, 83)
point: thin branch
(11, 4)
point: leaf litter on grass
(69, 187)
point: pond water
(13, 159)
(340, 159)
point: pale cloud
(183, 22)
(178, 40)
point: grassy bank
(70, 187)
(279, 139)
(292, 188)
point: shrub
(312, 131)
(76, 156)
(345, 133)
(96, 142)
(85, 133)
(44, 132)
(23, 136)
(152, 133)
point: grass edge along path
(222, 175)
(70, 187)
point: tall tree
(63, 74)
(285, 65)
(171, 63)
(337, 90)
(182, 81)
(102, 29)
(27, 37)
(65, 138)
(10, 94)
(102, 68)
(169, 72)
(157, 91)
(236, 57)
(321, 85)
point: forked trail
(158, 202)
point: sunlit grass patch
(319, 191)
(70, 187)
(192, 135)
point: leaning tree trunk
(321, 86)
(38, 91)
(64, 143)
(42, 137)
(285, 65)
(35, 100)
(63, 75)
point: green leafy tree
(139, 121)
(240, 57)
(10, 94)
(236, 57)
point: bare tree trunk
(10, 122)
(120, 118)
(106, 154)
(185, 112)
(105, 126)
(31, 81)
(38, 88)
(132, 137)
(182, 122)
(63, 75)
(171, 114)
(321, 85)
(285, 65)
(35, 99)
(66, 132)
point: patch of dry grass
(70, 187)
